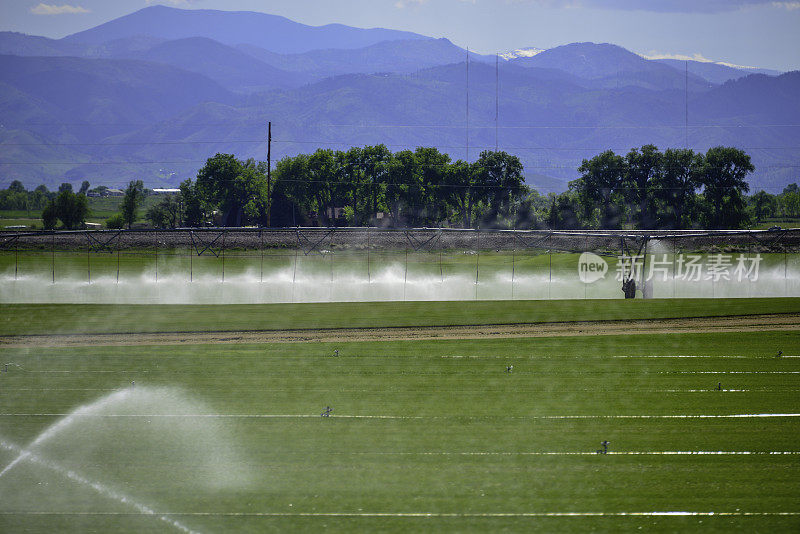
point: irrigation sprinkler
(156, 247)
(117, 262)
(345, 280)
(405, 276)
(477, 270)
(330, 253)
(513, 270)
(550, 267)
(261, 239)
(294, 271)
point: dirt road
(749, 323)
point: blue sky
(762, 33)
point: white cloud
(172, 2)
(50, 9)
(696, 57)
(665, 6)
(400, 4)
(790, 6)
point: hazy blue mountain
(271, 32)
(21, 44)
(546, 119)
(610, 66)
(753, 100)
(125, 48)
(164, 99)
(226, 65)
(714, 72)
(404, 56)
(113, 93)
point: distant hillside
(611, 66)
(714, 72)
(403, 56)
(109, 92)
(271, 32)
(20, 44)
(227, 66)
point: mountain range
(151, 95)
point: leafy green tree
(166, 213)
(39, 197)
(643, 169)
(674, 189)
(49, 216)
(375, 160)
(15, 197)
(723, 177)
(428, 197)
(400, 176)
(325, 187)
(16, 187)
(84, 187)
(194, 213)
(763, 205)
(70, 208)
(355, 181)
(65, 187)
(501, 176)
(237, 188)
(564, 212)
(790, 204)
(464, 195)
(292, 182)
(530, 211)
(598, 189)
(134, 196)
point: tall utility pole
(467, 104)
(686, 108)
(269, 172)
(496, 98)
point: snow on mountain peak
(521, 52)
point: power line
(256, 123)
(140, 143)
(288, 141)
(590, 149)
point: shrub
(115, 222)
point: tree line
(650, 189)
(358, 187)
(372, 186)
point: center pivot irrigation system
(482, 256)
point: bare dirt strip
(749, 323)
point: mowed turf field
(425, 435)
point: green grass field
(100, 209)
(425, 435)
